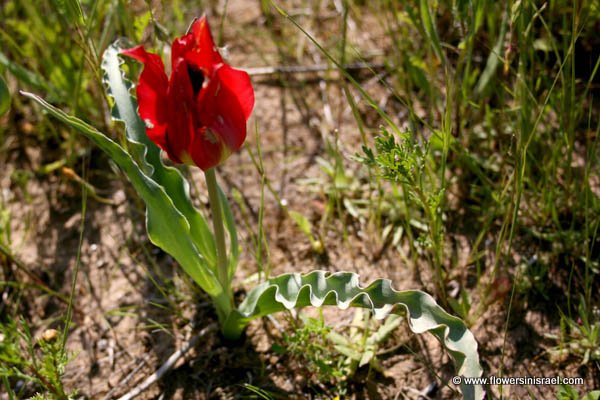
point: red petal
(207, 150)
(180, 47)
(152, 94)
(183, 119)
(238, 83)
(227, 107)
(198, 49)
(204, 41)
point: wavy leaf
(148, 154)
(342, 289)
(167, 227)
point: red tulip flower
(198, 115)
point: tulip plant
(198, 116)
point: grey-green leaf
(342, 289)
(167, 227)
(147, 153)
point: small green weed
(40, 362)
(310, 347)
(566, 392)
(332, 357)
(579, 337)
(408, 164)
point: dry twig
(299, 69)
(168, 365)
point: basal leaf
(148, 154)
(167, 227)
(342, 289)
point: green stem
(219, 231)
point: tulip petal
(152, 94)
(238, 83)
(204, 40)
(207, 150)
(230, 107)
(198, 49)
(181, 46)
(183, 119)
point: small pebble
(50, 335)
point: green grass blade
(4, 97)
(494, 58)
(342, 289)
(71, 9)
(24, 75)
(148, 154)
(430, 29)
(167, 227)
